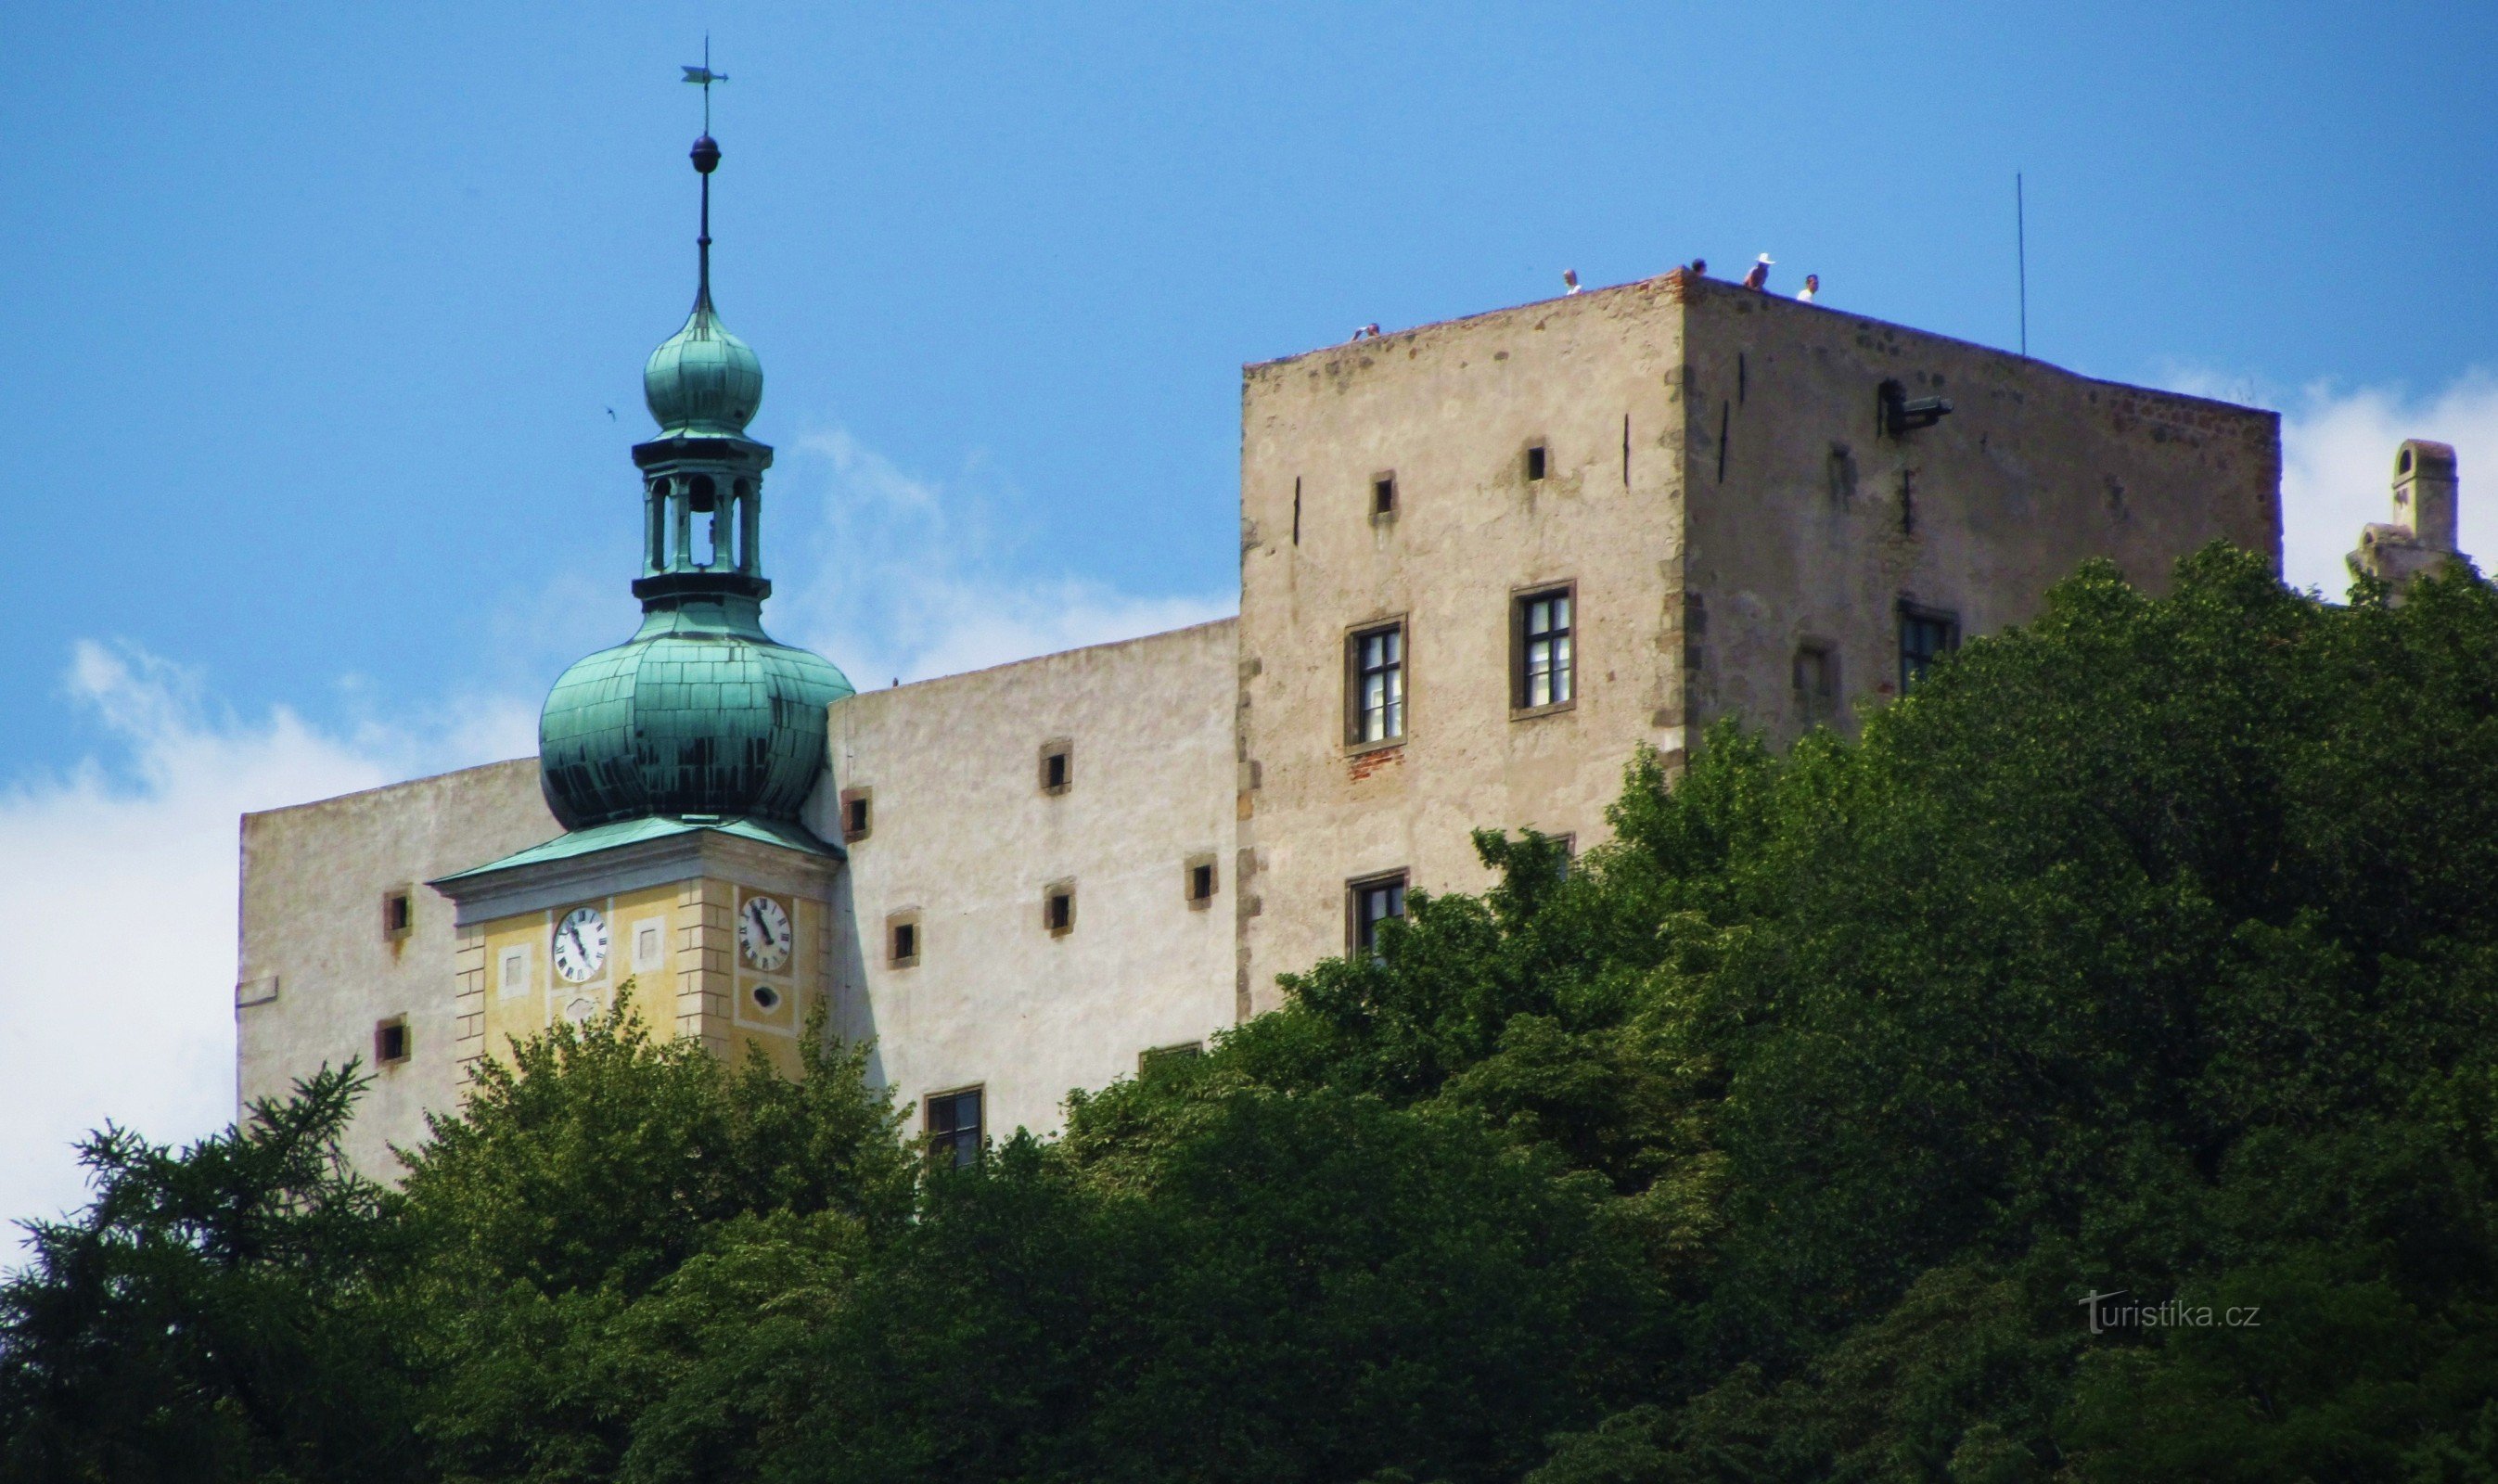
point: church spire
(700, 715)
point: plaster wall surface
(318, 973)
(1718, 490)
(964, 836)
(1807, 522)
(1450, 411)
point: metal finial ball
(706, 154)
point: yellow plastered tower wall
(725, 933)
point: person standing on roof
(1759, 276)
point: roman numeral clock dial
(763, 933)
(581, 944)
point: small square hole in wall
(902, 940)
(1057, 766)
(1383, 495)
(1058, 908)
(1201, 881)
(391, 1044)
(858, 813)
(1534, 462)
(398, 912)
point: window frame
(1212, 866)
(1946, 621)
(403, 898)
(862, 802)
(896, 924)
(1062, 750)
(1535, 461)
(1355, 675)
(954, 1133)
(1162, 1055)
(1815, 707)
(382, 1029)
(1061, 891)
(1359, 942)
(1520, 605)
(1384, 496)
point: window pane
(1561, 611)
(1562, 668)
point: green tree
(210, 1315)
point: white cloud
(118, 1001)
(2337, 454)
(905, 579)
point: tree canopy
(2088, 1074)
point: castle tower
(2420, 537)
(677, 762)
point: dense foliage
(2148, 952)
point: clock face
(763, 932)
(581, 944)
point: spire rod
(706, 158)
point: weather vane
(704, 76)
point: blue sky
(323, 312)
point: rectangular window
(1377, 709)
(1058, 908)
(1534, 462)
(1201, 881)
(1546, 667)
(954, 1128)
(1057, 766)
(1383, 495)
(902, 940)
(1817, 679)
(1925, 635)
(1166, 1055)
(1369, 902)
(650, 944)
(390, 1041)
(858, 813)
(513, 977)
(398, 912)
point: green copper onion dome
(702, 379)
(700, 714)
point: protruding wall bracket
(1901, 413)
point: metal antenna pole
(2020, 251)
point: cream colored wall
(1694, 588)
(2034, 470)
(313, 877)
(963, 834)
(1451, 409)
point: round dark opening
(767, 997)
(2403, 465)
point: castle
(1481, 562)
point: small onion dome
(700, 713)
(702, 379)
